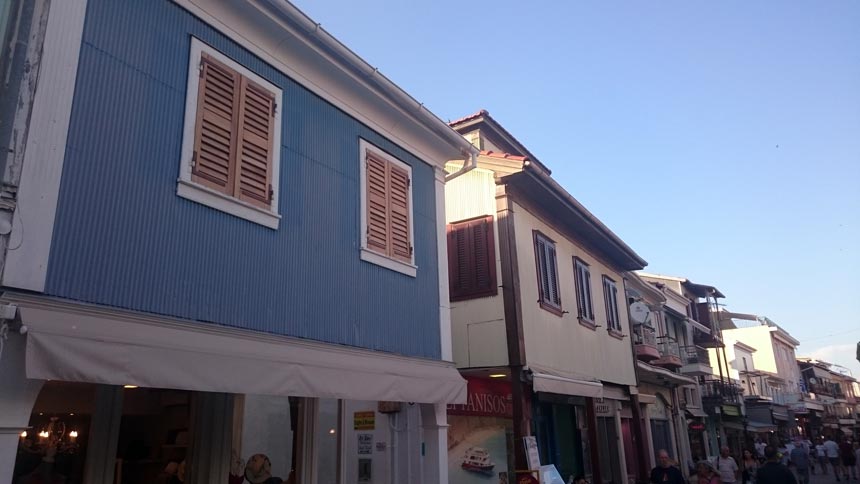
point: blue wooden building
(226, 220)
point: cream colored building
(538, 300)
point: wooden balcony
(670, 354)
(645, 343)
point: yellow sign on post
(364, 420)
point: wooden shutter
(400, 241)
(254, 154)
(215, 130)
(547, 272)
(377, 203)
(472, 259)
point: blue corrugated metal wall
(124, 238)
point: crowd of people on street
(792, 462)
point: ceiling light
(129, 386)
(497, 375)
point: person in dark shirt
(665, 472)
(773, 472)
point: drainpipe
(470, 162)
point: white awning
(565, 386)
(74, 342)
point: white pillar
(620, 443)
(17, 397)
(434, 426)
(652, 457)
(104, 435)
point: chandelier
(51, 440)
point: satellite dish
(813, 380)
(639, 312)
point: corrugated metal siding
(124, 238)
(470, 195)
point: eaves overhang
(539, 188)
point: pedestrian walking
(750, 466)
(846, 453)
(665, 472)
(857, 458)
(706, 473)
(727, 467)
(821, 452)
(831, 448)
(772, 472)
(799, 458)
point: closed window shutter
(377, 203)
(215, 137)
(552, 276)
(256, 128)
(398, 203)
(472, 259)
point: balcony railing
(667, 346)
(722, 390)
(709, 339)
(825, 388)
(644, 335)
(694, 354)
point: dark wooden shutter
(703, 312)
(377, 203)
(400, 241)
(256, 129)
(215, 137)
(472, 259)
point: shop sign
(696, 426)
(364, 420)
(731, 411)
(604, 407)
(485, 398)
(365, 444)
(532, 454)
(799, 408)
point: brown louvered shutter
(472, 259)
(215, 140)
(256, 129)
(377, 203)
(398, 204)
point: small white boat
(477, 459)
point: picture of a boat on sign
(477, 459)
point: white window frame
(584, 298)
(370, 255)
(188, 189)
(610, 294)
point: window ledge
(588, 323)
(368, 255)
(554, 310)
(227, 204)
(616, 334)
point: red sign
(486, 398)
(696, 426)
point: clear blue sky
(721, 140)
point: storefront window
(267, 438)
(54, 447)
(328, 443)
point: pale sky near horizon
(720, 140)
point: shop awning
(754, 426)
(696, 412)
(780, 416)
(544, 382)
(74, 342)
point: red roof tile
(497, 154)
(470, 117)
